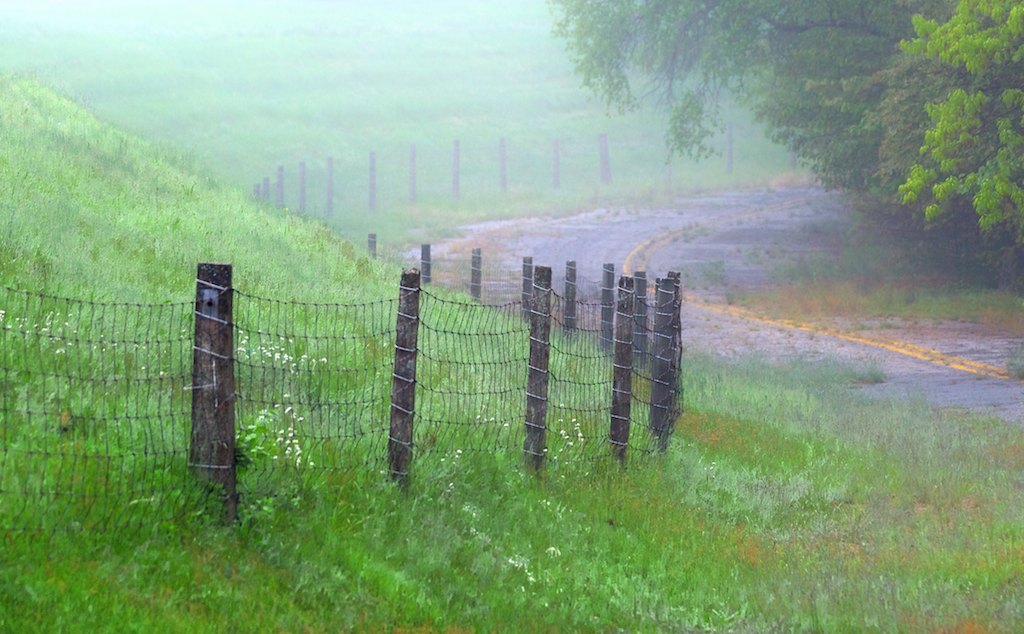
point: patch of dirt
(732, 242)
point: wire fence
(125, 415)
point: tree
(973, 154)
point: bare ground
(725, 243)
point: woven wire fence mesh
(94, 413)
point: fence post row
(527, 292)
(425, 263)
(640, 325)
(535, 444)
(569, 310)
(622, 369)
(212, 438)
(607, 305)
(661, 371)
(475, 274)
(403, 384)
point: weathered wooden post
(371, 244)
(606, 162)
(302, 187)
(607, 305)
(556, 164)
(535, 445)
(212, 443)
(403, 382)
(676, 344)
(569, 314)
(456, 170)
(412, 174)
(329, 209)
(475, 274)
(279, 198)
(640, 325)
(528, 285)
(425, 263)
(502, 165)
(622, 370)
(373, 181)
(661, 370)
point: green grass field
(786, 501)
(242, 87)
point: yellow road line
(637, 259)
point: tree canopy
(917, 102)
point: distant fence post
(403, 382)
(475, 274)
(302, 187)
(425, 263)
(212, 442)
(265, 188)
(279, 199)
(412, 173)
(556, 165)
(373, 181)
(661, 371)
(528, 286)
(329, 210)
(256, 191)
(371, 244)
(502, 165)
(569, 314)
(456, 170)
(640, 325)
(622, 374)
(606, 162)
(535, 444)
(607, 305)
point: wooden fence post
(676, 345)
(622, 373)
(279, 198)
(640, 325)
(528, 286)
(556, 164)
(569, 314)
(475, 274)
(606, 162)
(425, 263)
(329, 210)
(535, 444)
(212, 442)
(373, 181)
(661, 370)
(371, 244)
(502, 165)
(412, 174)
(607, 305)
(403, 382)
(456, 170)
(302, 187)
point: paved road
(724, 243)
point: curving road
(723, 243)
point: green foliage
(971, 154)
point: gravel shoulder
(731, 242)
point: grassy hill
(784, 502)
(246, 86)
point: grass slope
(247, 86)
(785, 501)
